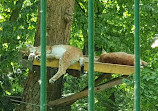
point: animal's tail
(82, 64)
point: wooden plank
(84, 93)
(98, 67)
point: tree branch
(74, 97)
(80, 7)
(100, 79)
(15, 13)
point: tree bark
(15, 13)
(59, 20)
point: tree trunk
(15, 13)
(59, 20)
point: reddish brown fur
(119, 58)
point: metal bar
(137, 57)
(43, 77)
(91, 55)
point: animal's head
(32, 50)
(29, 51)
(26, 49)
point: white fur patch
(31, 56)
(58, 51)
(81, 61)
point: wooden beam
(98, 67)
(84, 93)
(100, 79)
(97, 81)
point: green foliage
(17, 25)
(114, 31)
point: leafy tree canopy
(114, 31)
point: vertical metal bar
(43, 88)
(137, 57)
(91, 55)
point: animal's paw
(38, 57)
(52, 80)
(31, 57)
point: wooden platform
(98, 67)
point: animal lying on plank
(66, 54)
(119, 58)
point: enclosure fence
(137, 57)
(43, 95)
(43, 77)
